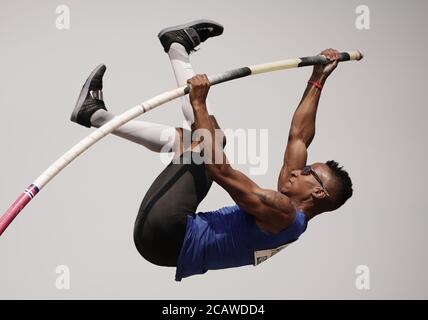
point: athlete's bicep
(240, 187)
(265, 205)
(296, 155)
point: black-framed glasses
(308, 170)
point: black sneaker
(190, 34)
(90, 98)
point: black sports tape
(226, 76)
(320, 59)
(344, 56)
(231, 75)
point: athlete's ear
(318, 193)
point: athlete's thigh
(161, 221)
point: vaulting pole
(148, 105)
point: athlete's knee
(153, 242)
(146, 246)
(178, 146)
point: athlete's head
(327, 184)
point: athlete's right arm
(271, 208)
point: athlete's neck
(307, 207)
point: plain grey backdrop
(372, 119)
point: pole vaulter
(146, 106)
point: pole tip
(357, 55)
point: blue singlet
(229, 237)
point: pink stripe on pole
(16, 207)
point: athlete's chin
(286, 191)
(288, 194)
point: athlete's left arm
(268, 206)
(302, 129)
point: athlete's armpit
(295, 157)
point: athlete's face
(311, 180)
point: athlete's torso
(229, 237)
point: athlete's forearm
(202, 117)
(217, 161)
(303, 123)
(214, 157)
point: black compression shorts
(161, 222)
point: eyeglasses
(308, 170)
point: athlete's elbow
(218, 171)
(302, 134)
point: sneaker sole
(202, 23)
(84, 92)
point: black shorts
(161, 222)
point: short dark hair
(345, 189)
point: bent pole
(148, 105)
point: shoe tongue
(94, 104)
(96, 84)
(193, 35)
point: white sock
(183, 71)
(156, 137)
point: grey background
(371, 119)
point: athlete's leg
(183, 71)
(154, 136)
(161, 222)
(178, 42)
(91, 111)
